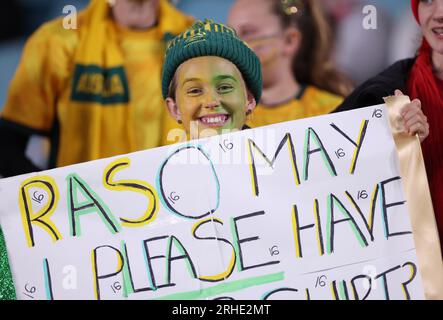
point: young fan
(211, 80)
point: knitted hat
(206, 38)
(414, 5)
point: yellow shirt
(41, 93)
(143, 55)
(310, 102)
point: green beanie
(206, 38)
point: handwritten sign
(309, 209)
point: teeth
(211, 120)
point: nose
(438, 14)
(211, 101)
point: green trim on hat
(206, 38)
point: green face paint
(211, 96)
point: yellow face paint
(211, 96)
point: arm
(373, 91)
(13, 144)
(31, 104)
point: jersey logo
(94, 84)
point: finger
(413, 106)
(416, 102)
(423, 135)
(413, 124)
(412, 114)
(412, 117)
(419, 128)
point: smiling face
(210, 96)
(430, 14)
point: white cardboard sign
(308, 209)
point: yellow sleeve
(35, 87)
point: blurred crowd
(359, 53)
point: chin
(436, 44)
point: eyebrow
(224, 77)
(190, 80)
(217, 78)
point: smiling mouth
(214, 120)
(438, 31)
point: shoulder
(55, 33)
(375, 89)
(172, 20)
(322, 95)
(398, 71)
(321, 100)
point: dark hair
(312, 64)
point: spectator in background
(95, 90)
(421, 78)
(359, 51)
(292, 40)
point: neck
(437, 62)
(281, 90)
(134, 14)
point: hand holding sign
(414, 120)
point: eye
(194, 91)
(225, 88)
(427, 1)
(247, 32)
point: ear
(293, 39)
(251, 103)
(173, 109)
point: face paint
(257, 25)
(210, 94)
(266, 48)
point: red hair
(414, 5)
(424, 85)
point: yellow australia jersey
(52, 95)
(310, 102)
